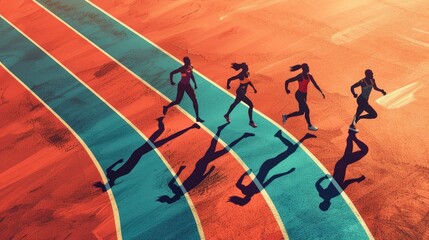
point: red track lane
(142, 106)
(45, 174)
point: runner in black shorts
(301, 94)
(367, 84)
(244, 77)
(184, 86)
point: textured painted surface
(338, 40)
(108, 137)
(270, 36)
(133, 51)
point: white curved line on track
(111, 196)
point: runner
(184, 86)
(301, 94)
(244, 77)
(367, 84)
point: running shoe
(252, 124)
(284, 118)
(199, 120)
(313, 128)
(351, 128)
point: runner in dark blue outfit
(367, 84)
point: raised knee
(365, 149)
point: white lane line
(91, 155)
(114, 205)
(239, 160)
(264, 193)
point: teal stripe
(109, 138)
(294, 195)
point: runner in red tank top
(302, 87)
(184, 86)
(301, 94)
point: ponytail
(295, 68)
(238, 66)
(303, 66)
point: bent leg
(250, 104)
(179, 96)
(371, 113)
(193, 97)
(356, 117)
(307, 114)
(302, 107)
(236, 101)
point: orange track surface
(142, 106)
(45, 174)
(339, 40)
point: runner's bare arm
(172, 73)
(352, 88)
(315, 85)
(229, 81)
(378, 89)
(254, 89)
(193, 80)
(289, 81)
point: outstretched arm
(352, 88)
(376, 88)
(316, 86)
(254, 89)
(229, 81)
(172, 73)
(289, 81)
(193, 80)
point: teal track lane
(294, 195)
(109, 138)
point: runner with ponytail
(301, 94)
(244, 77)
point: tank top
(366, 89)
(304, 84)
(186, 75)
(243, 84)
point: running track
(293, 198)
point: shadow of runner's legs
(252, 189)
(200, 171)
(137, 154)
(338, 183)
